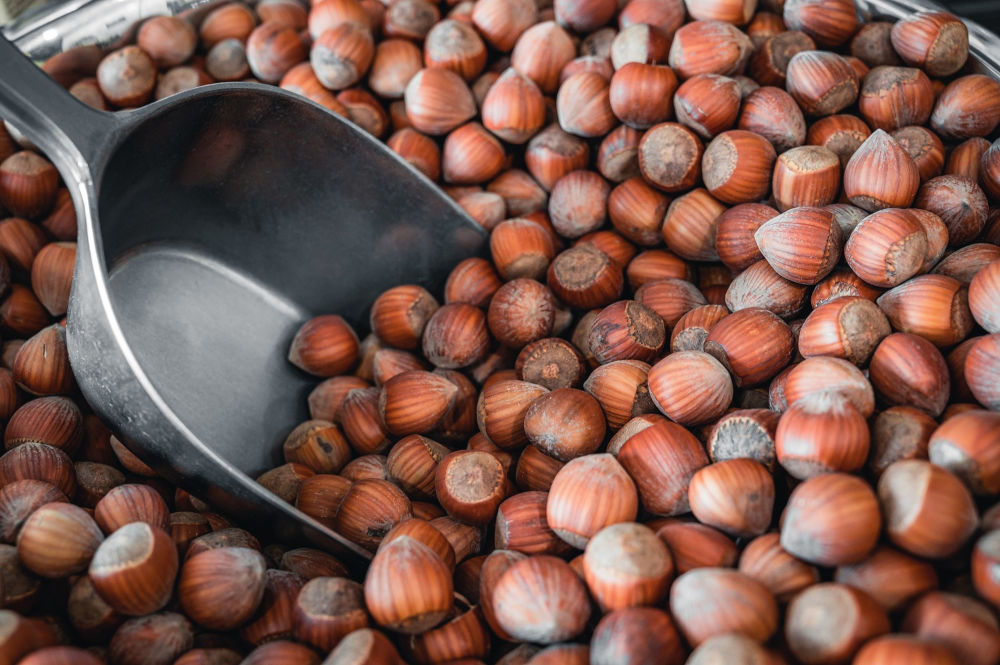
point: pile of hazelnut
(726, 389)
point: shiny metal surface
(212, 224)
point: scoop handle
(68, 131)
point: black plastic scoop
(211, 225)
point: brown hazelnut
(578, 508)
(540, 599)
(943, 315)
(670, 156)
(690, 387)
(928, 511)
(829, 622)
(707, 103)
(831, 519)
(711, 601)
(626, 565)
(709, 47)
(907, 369)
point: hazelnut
(455, 45)
(899, 432)
(736, 166)
(583, 105)
(753, 363)
(822, 374)
(626, 565)
(766, 561)
(540, 599)
(369, 510)
(414, 402)
(638, 43)
(621, 388)
(880, 174)
(130, 503)
(281, 651)
(470, 485)
(229, 21)
(640, 94)
(578, 508)
(964, 444)
(985, 556)
(670, 157)
(928, 511)
(960, 204)
(708, 103)
(889, 576)
(849, 327)
(585, 277)
(709, 47)
(725, 648)
(565, 424)
(843, 134)
(521, 248)
(661, 457)
(274, 618)
(938, 42)
(744, 433)
(981, 366)
(361, 422)
(802, 244)
(829, 23)
(552, 153)
(893, 97)
(317, 444)
(310, 563)
(55, 421)
(711, 601)
(326, 610)
(760, 286)
(636, 635)
(272, 49)
(501, 410)
(438, 101)
(363, 645)
(908, 369)
(823, 83)
(964, 159)
(156, 639)
(840, 283)
(578, 203)
(967, 107)
(821, 433)
(828, 623)
(965, 263)
(736, 496)
(455, 336)
(903, 649)
(134, 569)
(924, 148)
(57, 540)
(541, 52)
(965, 625)
(690, 387)
(41, 366)
(324, 346)
(626, 330)
(943, 315)
(695, 545)
(831, 519)
(221, 588)
(521, 526)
